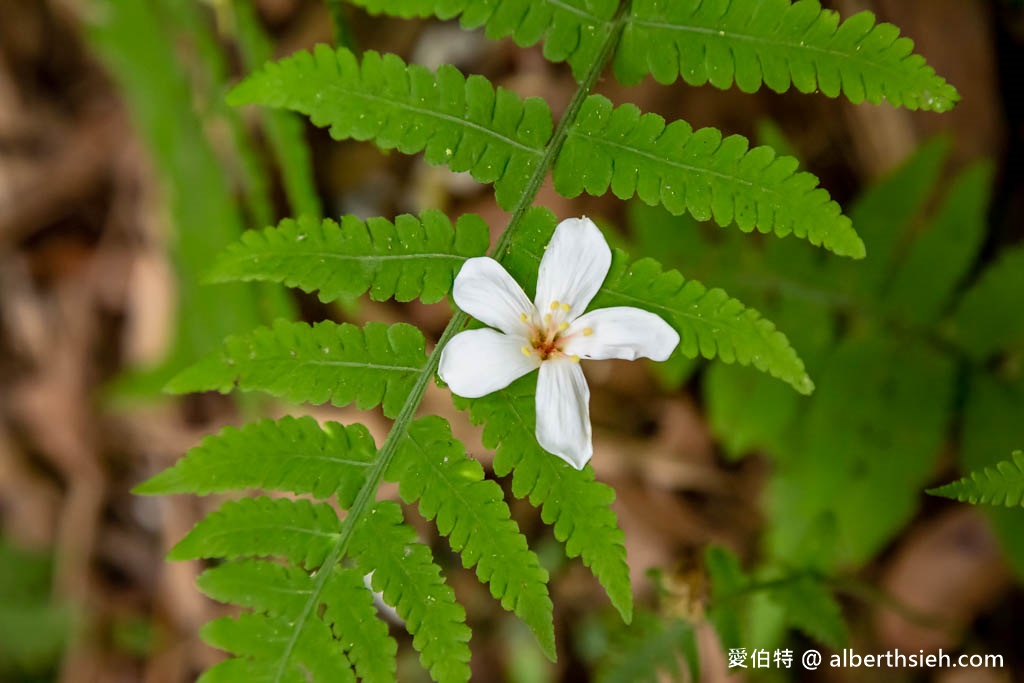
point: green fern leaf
(284, 591)
(294, 455)
(984, 322)
(883, 213)
(573, 30)
(461, 122)
(939, 258)
(408, 259)
(727, 581)
(296, 530)
(852, 464)
(649, 651)
(699, 172)
(1002, 484)
(812, 609)
(710, 323)
(571, 500)
(404, 572)
(778, 43)
(369, 366)
(234, 670)
(432, 468)
(272, 644)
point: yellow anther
(574, 358)
(563, 327)
(547, 318)
(523, 317)
(527, 351)
(555, 305)
(587, 331)
(565, 307)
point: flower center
(547, 336)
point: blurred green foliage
(173, 71)
(913, 349)
(33, 629)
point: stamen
(563, 327)
(565, 307)
(587, 331)
(527, 351)
(555, 305)
(523, 317)
(547, 318)
(574, 358)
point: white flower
(552, 333)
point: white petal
(621, 332)
(478, 362)
(563, 412)
(487, 292)
(573, 267)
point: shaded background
(94, 266)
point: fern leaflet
(299, 531)
(569, 499)
(373, 365)
(404, 572)
(939, 258)
(432, 468)
(464, 123)
(700, 172)
(573, 30)
(1001, 484)
(778, 43)
(408, 259)
(295, 455)
(984, 322)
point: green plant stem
(368, 493)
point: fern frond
(461, 122)
(1002, 484)
(778, 43)
(431, 467)
(299, 531)
(408, 259)
(295, 455)
(570, 500)
(372, 365)
(710, 323)
(573, 31)
(272, 644)
(404, 572)
(698, 172)
(283, 591)
(985, 321)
